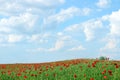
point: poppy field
(78, 69)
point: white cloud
(85, 11)
(72, 28)
(65, 14)
(34, 38)
(60, 42)
(63, 36)
(114, 19)
(45, 3)
(41, 49)
(58, 45)
(112, 38)
(36, 50)
(90, 27)
(21, 16)
(12, 38)
(5, 29)
(103, 3)
(7, 45)
(111, 44)
(78, 48)
(18, 7)
(59, 33)
(9, 8)
(2, 38)
(39, 38)
(24, 20)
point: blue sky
(52, 30)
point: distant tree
(103, 58)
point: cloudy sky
(51, 30)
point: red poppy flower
(84, 75)
(116, 66)
(105, 77)
(46, 75)
(75, 76)
(18, 74)
(91, 78)
(25, 77)
(103, 72)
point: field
(78, 69)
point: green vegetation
(66, 70)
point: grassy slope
(78, 69)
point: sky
(35, 31)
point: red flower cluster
(110, 72)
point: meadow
(78, 69)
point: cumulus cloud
(22, 17)
(63, 37)
(109, 23)
(61, 41)
(88, 28)
(103, 3)
(113, 37)
(7, 45)
(8, 8)
(47, 3)
(72, 28)
(5, 29)
(111, 44)
(36, 1)
(58, 45)
(12, 38)
(65, 14)
(24, 13)
(39, 38)
(114, 20)
(62, 15)
(24, 21)
(12, 7)
(78, 48)
(85, 11)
